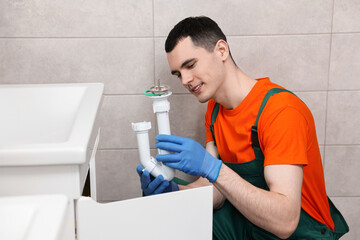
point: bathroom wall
(311, 47)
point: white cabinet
(48, 135)
(178, 215)
(48, 141)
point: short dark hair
(203, 31)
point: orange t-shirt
(287, 135)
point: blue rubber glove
(151, 186)
(190, 157)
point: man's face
(199, 70)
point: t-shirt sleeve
(208, 114)
(284, 138)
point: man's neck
(235, 88)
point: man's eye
(191, 65)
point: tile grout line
(181, 94)
(161, 37)
(89, 37)
(344, 196)
(122, 149)
(154, 56)
(152, 148)
(153, 38)
(341, 145)
(328, 83)
(184, 93)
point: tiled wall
(311, 47)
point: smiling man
(269, 183)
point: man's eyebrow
(183, 65)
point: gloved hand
(151, 186)
(190, 157)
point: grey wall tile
(117, 114)
(117, 178)
(295, 62)
(346, 16)
(162, 69)
(124, 65)
(187, 117)
(345, 62)
(316, 102)
(112, 18)
(299, 63)
(322, 152)
(343, 118)
(246, 17)
(350, 209)
(342, 169)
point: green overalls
(229, 223)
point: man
(269, 183)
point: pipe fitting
(148, 162)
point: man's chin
(202, 99)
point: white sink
(41, 217)
(46, 136)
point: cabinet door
(178, 215)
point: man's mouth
(197, 88)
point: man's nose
(187, 78)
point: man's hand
(190, 157)
(151, 186)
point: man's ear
(222, 49)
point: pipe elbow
(167, 172)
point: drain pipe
(161, 107)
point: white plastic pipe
(161, 107)
(146, 160)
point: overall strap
(254, 129)
(266, 98)
(213, 118)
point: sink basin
(41, 217)
(47, 134)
